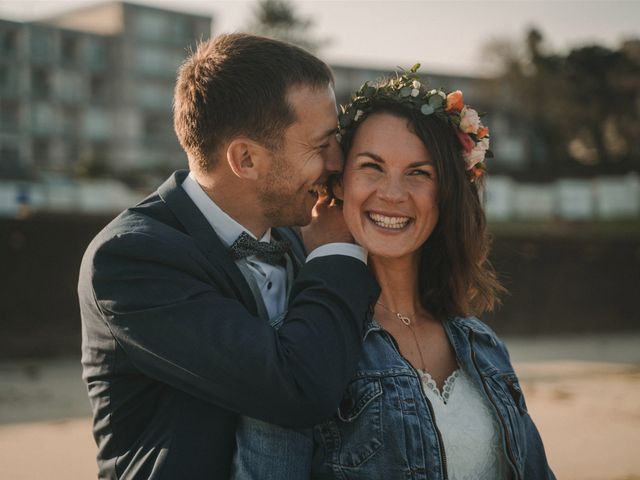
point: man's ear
(246, 158)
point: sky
(446, 36)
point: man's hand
(327, 225)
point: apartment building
(92, 89)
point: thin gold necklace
(406, 320)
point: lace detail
(430, 383)
(470, 431)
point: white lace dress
(470, 432)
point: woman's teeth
(389, 222)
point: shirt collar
(224, 225)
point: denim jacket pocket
(354, 433)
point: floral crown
(406, 89)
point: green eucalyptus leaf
(436, 101)
(426, 109)
(415, 67)
(405, 91)
(369, 91)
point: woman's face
(390, 188)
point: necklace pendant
(404, 319)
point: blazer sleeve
(175, 325)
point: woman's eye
(375, 166)
(421, 173)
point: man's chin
(301, 220)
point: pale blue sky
(444, 35)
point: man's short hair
(236, 84)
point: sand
(588, 414)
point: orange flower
(454, 101)
(482, 132)
(477, 172)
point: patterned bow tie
(269, 252)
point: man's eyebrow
(325, 134)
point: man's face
(309, 154)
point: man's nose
(334, 161)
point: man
(176, 292)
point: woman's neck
(398, 279)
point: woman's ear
(245, 158)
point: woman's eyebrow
(421, 163)
(372, 156)
(379, 159)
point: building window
(95, 54)
(71, 86)
(151, 25)
(69, 120)
(97, 88)
(44, 120)
(9, 117)
(41, 82)
(69, 48)
(8, 81)
(157, 127)
(9, 43)
(42, 46)
(95, 124)
(158, 61)
(41, 148)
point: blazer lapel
(205, 237)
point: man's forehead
(314, 109)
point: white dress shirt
(271, 279)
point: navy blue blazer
(173, 348)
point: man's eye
(323, 146)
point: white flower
(415, 92)
(442, 94)
(432, 92)
(416, 84)
(469, 120)
(477, 154)
(359, 114)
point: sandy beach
(583, 393)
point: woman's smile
(392, 223)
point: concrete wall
(579, 282)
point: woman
(434, 395)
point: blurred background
(86, 130)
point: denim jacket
(384, 427)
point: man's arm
(170, 317)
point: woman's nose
(392, 190)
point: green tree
(584, 107)
(278, 19)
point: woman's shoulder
(486, 336)
(475, 325)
